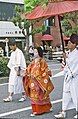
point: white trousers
(16, 88)
(70, 97)
(15, 83)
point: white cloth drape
(70, 89)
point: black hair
(40, 51)
(12, 42)
(74, 39)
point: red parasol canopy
(55, 7)
(47, 37)
(37, 12)
(61, 7)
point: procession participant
(70, 89)
(17, 68)
(37, 84)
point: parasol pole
(61, 37)
(61, 34)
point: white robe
(16, 59)
(70, 89)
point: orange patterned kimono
(38, 86)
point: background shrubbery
(3, 66)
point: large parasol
(57, 7)
(36, 13)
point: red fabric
(41, 108)
(37, 12)
(58, 8)
(47, 37)
(53, 8)
(36, 83)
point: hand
(18, 73)
(49, 73)
(64, 55)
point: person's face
(71, 46)
(13, 47)
(35, 53)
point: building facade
(7, 8)
(7, 28)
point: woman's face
(35, 53)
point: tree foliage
(70, 22)
(17, 18)
(3, 66)
(24, 24)
(29, 5)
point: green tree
(24, 24)
(70, 23)
(29, 5)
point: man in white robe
(17, 66)
(70, 89)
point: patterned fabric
(37, 83)
(41, 108)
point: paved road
(17, 110)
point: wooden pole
(61, 34)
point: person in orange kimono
(37, 84)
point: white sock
(10, 97)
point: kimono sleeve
(18, 59)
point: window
(19, 32)
(15, 32)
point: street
(22, 110)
